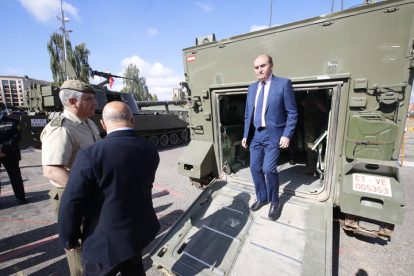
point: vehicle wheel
(164, 140)
(173, 139)
(184, 135)
(153, 140)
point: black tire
(184, 135)
(174, 139)
(153, 140)
(164, 140)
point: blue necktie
(259, 108)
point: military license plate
(38, 122)
(372, 184)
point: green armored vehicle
(163, 130)
(361, 60)
(167, 108)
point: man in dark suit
(109, 190)
(269, 123)
(10, 137)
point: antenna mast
(64, 32)
(271, 11)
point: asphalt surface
(29, 243)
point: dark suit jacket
(10, 137)
(281, 112)
(109, 188)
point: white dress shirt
(266, 94)
(121, 128)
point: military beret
(78, 86)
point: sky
(148, 33)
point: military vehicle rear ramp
(221, 236)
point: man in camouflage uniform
(315, 117)
(61, 140)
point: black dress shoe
(274, 212)
(257, 205)
(22, 201)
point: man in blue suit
(109, 190)
(269, 123)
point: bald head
(263, 66)
(116, 115)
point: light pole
(64, 32)
(271, 11)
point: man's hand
(2, 154)
(244, 144)
(284, 142)
(74, 247)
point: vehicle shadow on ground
(45, 250)
(166, 222)
(10, 201)
(367, 239)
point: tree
(154, 98)
(135, 84)
(55, 48)
(78, 59)
(80, 62)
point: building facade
(12, 89)
(178, 94)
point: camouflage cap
(78, 86)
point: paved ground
(28, 237)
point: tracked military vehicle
(163, 130)
(155, 107)
(362, 60)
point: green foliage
(78, 59)
(55, 48)
(135, 84)
(80, 62)
(154, 98)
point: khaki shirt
(63, 137)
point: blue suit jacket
(281, 111)
(109, 190)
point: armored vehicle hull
(163, 130)
(31, 127)
(361, 60)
